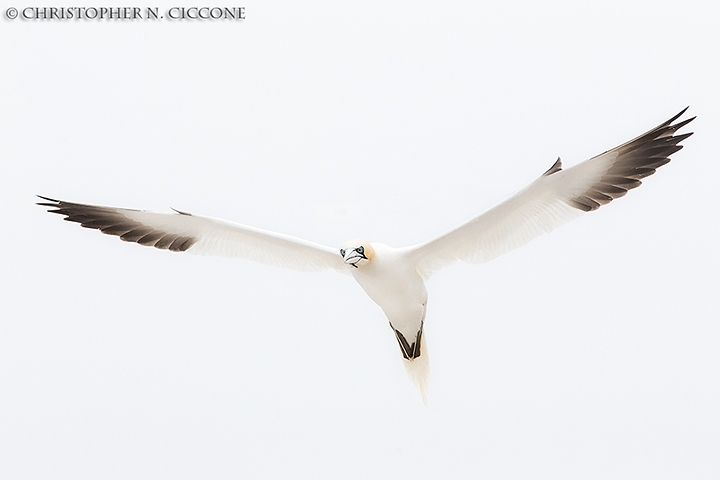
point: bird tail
(418, 369)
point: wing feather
(180, 232)
(555, 198)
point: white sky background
(590, 353)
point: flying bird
(394, 278)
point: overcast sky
(591, 353)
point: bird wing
(183, 232)
(555, 198)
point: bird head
(357, 252)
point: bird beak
(352, 257)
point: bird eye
(342, 252)
(360, 250)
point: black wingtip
(48, 199)
(55, 203)
(678, 126)
(678, 115)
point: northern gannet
(394, 278)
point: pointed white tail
(419, 370)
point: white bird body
(392, 281)
(394, 278)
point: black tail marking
(410, 351)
